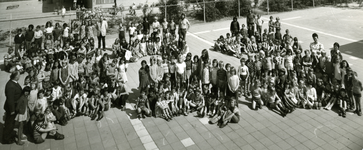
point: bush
(276, 5)
(224, 7)
(245, 6)
(173, 12)
(211, 13)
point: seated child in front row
(142, 106)
(163, 105)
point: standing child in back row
(357, 89)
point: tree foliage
(172, 12)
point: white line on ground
(292, 18)
(320, 32)
(221, 29)
(328, 34)
(202, 32)
(139, 125)
(193, 35)
(353, 58)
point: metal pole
(204, 11)
(165, 9)
(313, 3)
(11, 17)
(268, 7)
(292, 5)
(239, 9)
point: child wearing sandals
(163, 105)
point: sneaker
(99, 118)
(223, 125)
(58, 136)
(360, 113)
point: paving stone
(150, 146)
(265, 141)
(177, 145)
(166, 147)
(193, 147)
(213, 142)
(203, 145)
(171, 138)
(157, 135)
(146, 139)
(310, 144)
(284, 145)
(220, 147)
(123, 145)
(135, 143)
(187, 142)
(247, 147)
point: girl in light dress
(122, 69)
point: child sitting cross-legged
(163, 105)
(198, 103)
(142, 106)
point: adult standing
(101, 35)
(250, 23)
(316, 45)
(234, 27)
(13, 92)
(184, 26)
(259, 23)
(145, 26)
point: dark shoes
(223, 124)
(56, 136)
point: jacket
(12, 93)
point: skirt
(22, 117)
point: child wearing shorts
(256, 95)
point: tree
(173, 11)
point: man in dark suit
(12, 92)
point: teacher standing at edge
(13, 92)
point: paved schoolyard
(263, 129)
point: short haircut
(14, 74)
(315, 35)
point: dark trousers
(103, 41)
(38, 43)
(9, 127)
(183, 32)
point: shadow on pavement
(132, 100)
(353, 49)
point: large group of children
(278, 73)
(66, 75)
(69, 77)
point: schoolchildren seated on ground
(69, 77)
